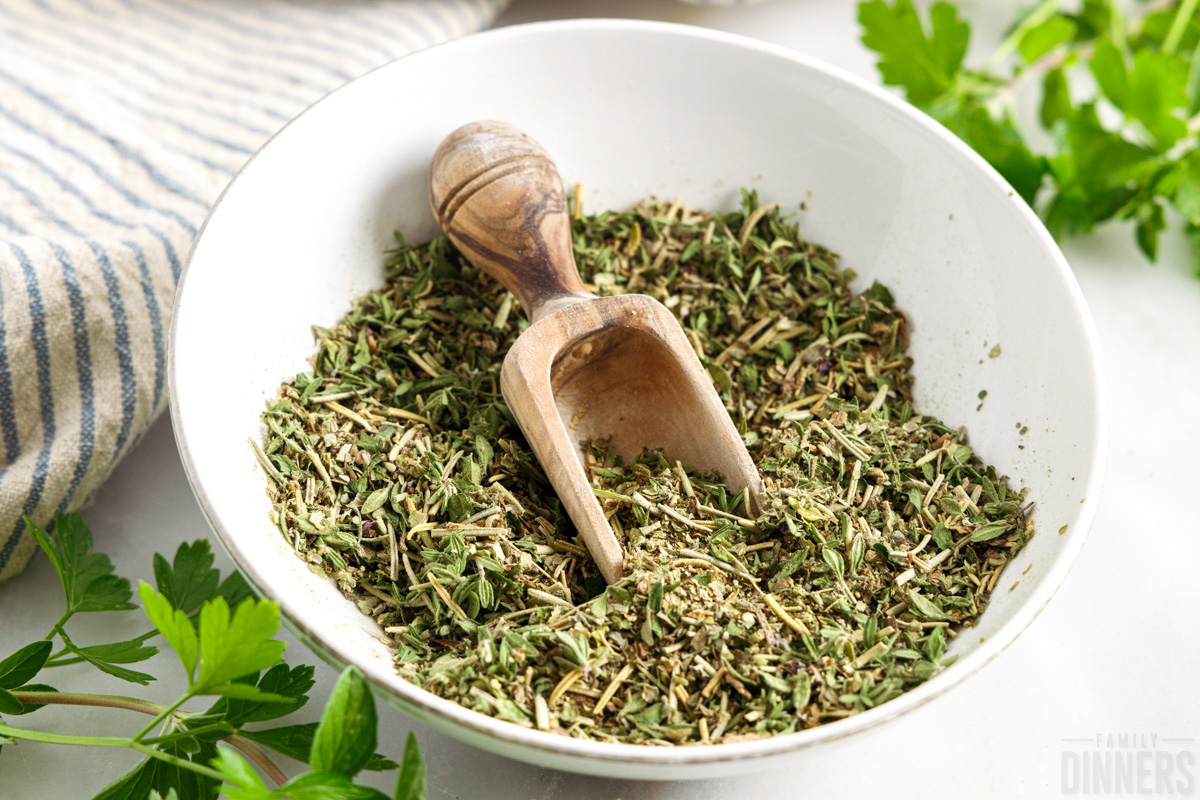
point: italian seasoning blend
(397, 469)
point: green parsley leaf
(994, 138)
(1158, 95)
(164, 778)
(1086, 195)
(172, 623)
(1154, 92)
(1187, 190)
(26, 706)
(190, 579)
(345, 738)
(10, 704)
(234, 589)
(244, 691)
(291, 683)
(1150, 223)
(107, 657)
(233, 647)
(295, 741)
(241, 781)
(1109, 70)
(87, 578)
(925, 66)
(1056, 97)
(22, 665)
(1041, 39)
(326, 785)
(410, 784)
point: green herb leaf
(942, 536)
(326, 785)
(26, 706)
(858, 551)
(410, 785)
(190, 579)
(1056, 97)
(292, 683)
(654, 597)
(1041, 39)
(1158, 95)
(925, 66)
(996, 139)
(231, 648)
(87, 578)
(241, 781)
(1150, 223)
(22, 665)
(295, 741)
(1109, 70)
(167, 779)
(107, 657)
(834, 559)
(244, 691)
(234, 589)
(989, 531)
(926, 608)
(1086, 195)
(172, 623)
(375, 500)
(346, 736)
(1187, 191)
(10, 704)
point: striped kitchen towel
(120, 123)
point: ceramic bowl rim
(417, 700)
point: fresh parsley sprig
(225, 641)
(1120, 97)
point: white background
(1115, 652)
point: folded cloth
(120, 123)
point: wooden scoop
(614, 369)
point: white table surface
(1115, 652)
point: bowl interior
(630, 110)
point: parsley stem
(64, 662)
(58, 625)
(46, 737)
(1182, 17)
(102, 700)
(166, 712)
(247, 747)
(185, 733)
(258, 757)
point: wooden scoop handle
(499, 198)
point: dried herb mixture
(397, 470)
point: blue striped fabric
(120, 123)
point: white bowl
(632, 109)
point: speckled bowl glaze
(301, 231)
